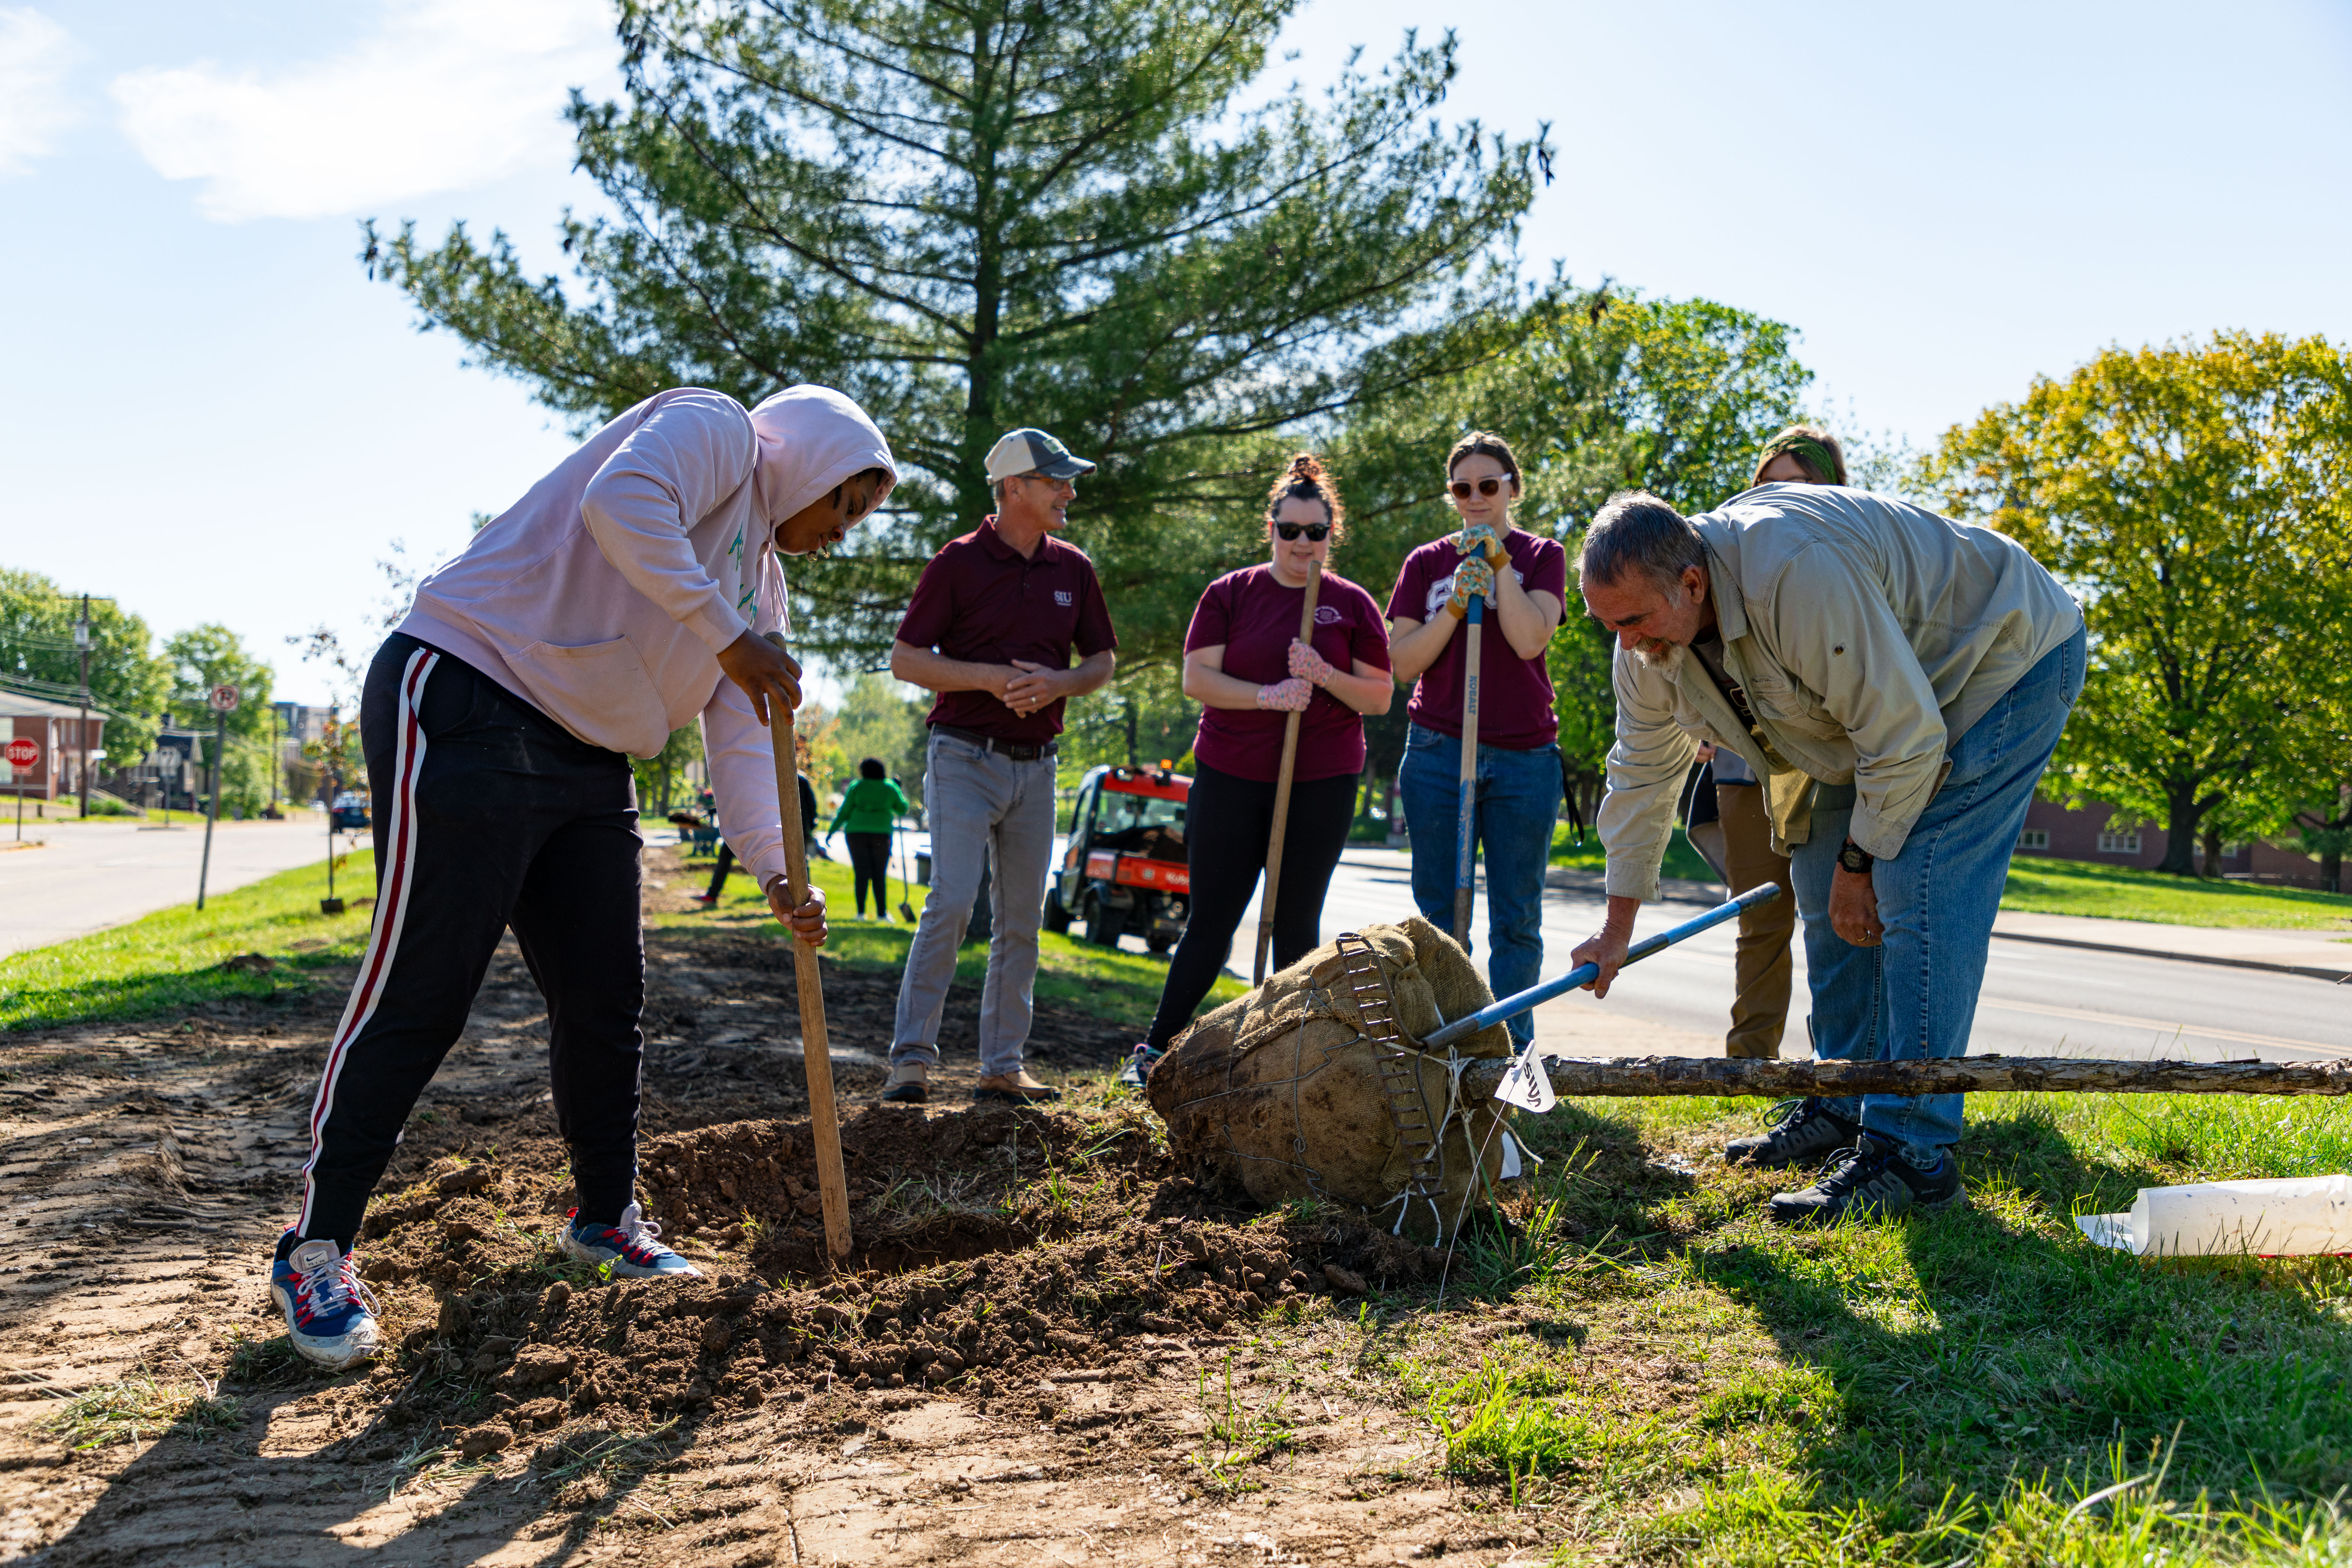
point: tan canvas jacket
(1866, 632)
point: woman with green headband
(1800, 454)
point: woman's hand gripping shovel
(825, 1128)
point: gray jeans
(980, 804)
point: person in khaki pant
(1766, 972)
(1804, 455)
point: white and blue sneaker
(1136, 1071)
(329, 1311)
(628, 1248)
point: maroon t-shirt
(1256, 618)
(1515, 709)
(980, 601)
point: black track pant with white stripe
(488, 815)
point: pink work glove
(1309, 664)
(1286, 696)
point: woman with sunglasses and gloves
(1524, 579)
(1245, 665)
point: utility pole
(82, 643)
(222, 699)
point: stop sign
(24, 752)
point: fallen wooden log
(1642, 1076)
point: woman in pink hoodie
(624, 597)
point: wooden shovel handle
(1466, 875)
(1282, 790)
(825, 1126)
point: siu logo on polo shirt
(1062, 596)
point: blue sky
(210, 413)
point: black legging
(869, 861)
(1226, 824)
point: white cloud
(441, 95)
(33, 55)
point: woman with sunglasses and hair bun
(1245, 665)
(1524, 579)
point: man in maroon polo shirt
(990, 630)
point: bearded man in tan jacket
(1897, 681)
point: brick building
(2091, 833)
(57, 728)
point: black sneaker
(1803, 1133)
(1870, 1181)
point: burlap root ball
(1280, 1092)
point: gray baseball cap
(1033, 452)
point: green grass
(139, 1407)
(171, 958)
(1956, 1387)
(1682, 860)
(2123, 892)
(1107, 982)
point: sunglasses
(1461, 488)
(1313, 531)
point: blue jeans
(1915, 995)
(984, 809)
(1518, 801)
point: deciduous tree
(2199, 498)
(1603, 391)
(128, 682)
(211, 655)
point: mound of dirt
(995, 1249)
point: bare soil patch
(1050, 1346)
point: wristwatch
(1855, 858)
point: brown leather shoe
(1013, 1089)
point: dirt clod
(486, 1440)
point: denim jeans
(983, 806)
(1915, 995)
(1518, 801)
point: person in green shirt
(870, 807)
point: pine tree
(976, 216)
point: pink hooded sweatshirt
(602, 597)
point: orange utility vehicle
(1125, 868)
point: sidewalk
(2306, 953)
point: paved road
(90, 875)
(2037, 1000)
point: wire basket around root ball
(1315, 1085)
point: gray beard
(1667, 657)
